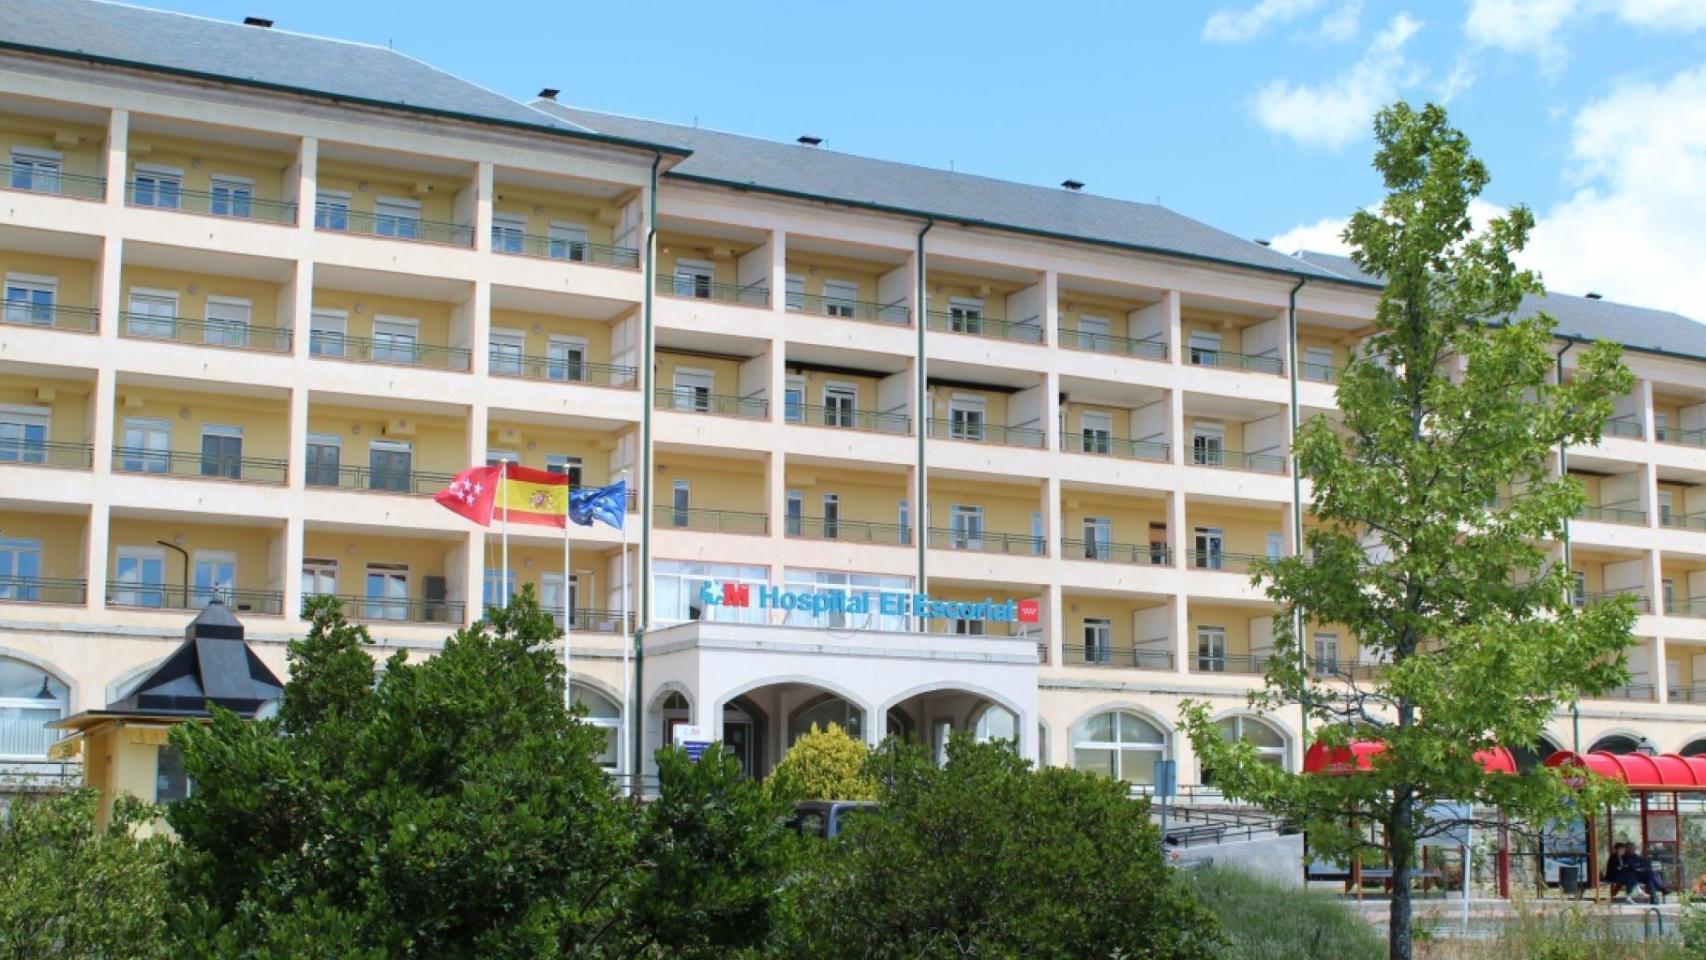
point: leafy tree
(1434, 496)
(986, 857)
(823, 765)
(68, 890)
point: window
(326, 330)
(1098, 436)
(20, 572)
(498, 588)
(564, 465)
(681, 504)
(831, 516)
(1578, 587)
(822, 712)
(1268, 741)
(840, 401)
(1661, 425)
(171, 783)
(30, 299)
(390, 465)
(227, 322)
(1326, 654)
(904, 519)
(966, 628)
(996, 723)
(506, 349)
(1665, 502)
(1210, 548)
(231, 196)
(965, 417)
(37, 170)
(869, 585)
(796, 513)
(794, 400)
(153, 313)
(1098, 531)
(397, 217)
(23, 433)
(1667, 590)
(509, 233)
(138, 575)
(567, 240)
(965, 314)
(1098, 639)
(693, 389)
(967, 527)
(1119, 745)
(396, 339)
(1211, 649)
(551, 594)
(387, 592)
(565, 359)
(331, 210)
(693, 278)
(602, 714)
(147, 446)
(794, 292)
(1093, 333)
(30, 699)
(1037, 540)
(1208, 444)
(678, 582)
(215, 576)
(319, 578)
(1205, 348)
(221, 451)
(322, 466)
(1276, 546)
(840, 298)
(157, 186)
(1317, 363)
(495, 456)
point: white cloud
(1342, 23)
(1237, 25)
(1322, 236)
(1334, 113)
(1532, 26)
(1664, 14)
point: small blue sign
(1166, 778)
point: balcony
(848, 531)
(1638, 692)
(144, 595)
(377, 479)
(1228, 360)
(1220, 560)
(205, 466)
(68, 591)
(560, 370)
(1318, 372)
(1102, 444)
(1150, 348)
(977, 325)
(1154, 655)
(1229, 663)
(333, 217)
(383, 609)
(235, 201)
(687, 287)
(1103, 551)
(1687, 438)
(983, 541)
(710, 521)
(843, 308)
(32, 177)
(563, 248)
(232, 334)
(722, 405)
(389, 350)
(979, 432)
(52, 316)
(1612, 514)
(844, 418)
(1643, 603)
(1238, 460)
(1693, 608)
(1626, 426)
(30, 452)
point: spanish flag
(519, 494)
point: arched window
(603, 714)
(1265, 737)
(1694, 748)
(1621, 743)
(1120, 745)
(996, 723)
(29, 700)
(824, 711)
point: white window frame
(1211, 649)
(36, 158)
(226, 430)
(389, 446)
(391, 351)
(16, 548)
(794, 400)
(1276, 545)
(1098, 636)
(966, 314)
(22, 311)
(681, 503)
(831, 528)
(1320, 643)
(25, 417)
(1208, 430)
(566, 370)
(794, 513)
(147, 458)
(966, 404)
(138, 588)
(509, 232)
(386, 605)
(510, 364)
(844, 304)
(1090, 424)
(495, 456)
(570, 466)
(199, 597)
(233, 184)
(1094, 339)
(231, 332)
(401, 210)
(840, 389)
(794, 292)
(961, 529)
(566, 240)
(332, 440)
(159, 173)
(689, 273)
(332, 209)
(1203, 348)
(319, 567)
(686, 395)
(1208, 548)
(152, 325)
(327, 328)
(1319, 362)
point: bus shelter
(1658, 784)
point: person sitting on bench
(1628, 869)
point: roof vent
(549, 93)
(810, 141)
(1592, 296)
(261, 22)
(1072, 184)
(1265, 243)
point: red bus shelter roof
(1358, 755)
(1641, 773)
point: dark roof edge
(1325, 274)
(587, 135)
(1654, 351)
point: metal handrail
(190, 463)
(1611, 514)
(847, 531)
(715, 521)
(337, 219)
(46, 453)
(1145, 347)
(944, 429)
(577, 251)
(1693, 608)
(984, 541)
(213, 204)
(1340, 670)
(842, 308)
(1318, 372)
(1690, 438)
(363, 477)
(1239, 460)
(1624, 426)
(213, 333)
(591, 620)
(560, 371)
(1222, 560)
(338, 346)
(1021, 332)
(1693, 693)
(751, 295)
(1228, 359)
(159, 596)
(1629, 691)
(1143, 554)
(65, 590)
(399, 610)
(54, 315)
(818, 415)
(1683, 521)
(1642, 601)
(1113, 446)
(59, 183)
(1241, 663)
(1142, 658)
(718, 404)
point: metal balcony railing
(722, 405)
(1221, 560)
(847, 531)
(398, 610)
(1146, 348)
(1688, 438)
(45, 453)
(1626, 426)
(818, 415)
(842, 308)
(406, 353)
(1693, 608)
(983, 541)
(1238, 460)
(38, 775)
(1098, 655)
(212, 333)
(1692, 693)
(1643, 603)
(1242, 664)
(53, 315)
(1028, 331)
(1226, 359)
(1143, 554)
(980, 432)
(30, 178)
(156, 596)
(66, 590)
(189, 463)
(589, 620)
(336, 219)
(1609, 514)
(575, 251)
(1342, 670)
(237, 205)
(1318, 372)
(714, 521)
(560, 371)
(1683, 521)
(1104, 445)
(695, 288)
(382, 479)
(1632, 691)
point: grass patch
(1264, 920)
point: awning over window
(1640, 772)
(1358, 755)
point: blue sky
(1251, 115)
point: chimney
(261, 22)
(1265, 243)
(810, 141)
(549, 93)
(1073, 185)
(1592, 296)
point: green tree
(823, 765)
(986, 857)
(1435, 494)
(70, 891)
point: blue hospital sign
(817, 603)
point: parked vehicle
(826, 818)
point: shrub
(1263, 920)
(823, 765)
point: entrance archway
(932, 714)
(761, 721)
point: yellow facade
(74, 278)
(863, 496)
(438, 442)
(64, 538)
(347, 556)
(257, 551)
(200, 162)
(367, 182)
(434, 318)
(187, 415)
(65, 400)
(534, 445)
(78, 144)
(538, 330)
(713, 483)
(192, 289)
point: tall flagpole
(627, 625)
(503, 497)
(568, 603)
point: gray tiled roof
(1584, 318)
(157, 39)
(791, 168)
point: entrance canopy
(1668, 773)
(1358, 757)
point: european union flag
(607, 505)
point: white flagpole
(503, 498)
(627, 629)
(568, 603)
